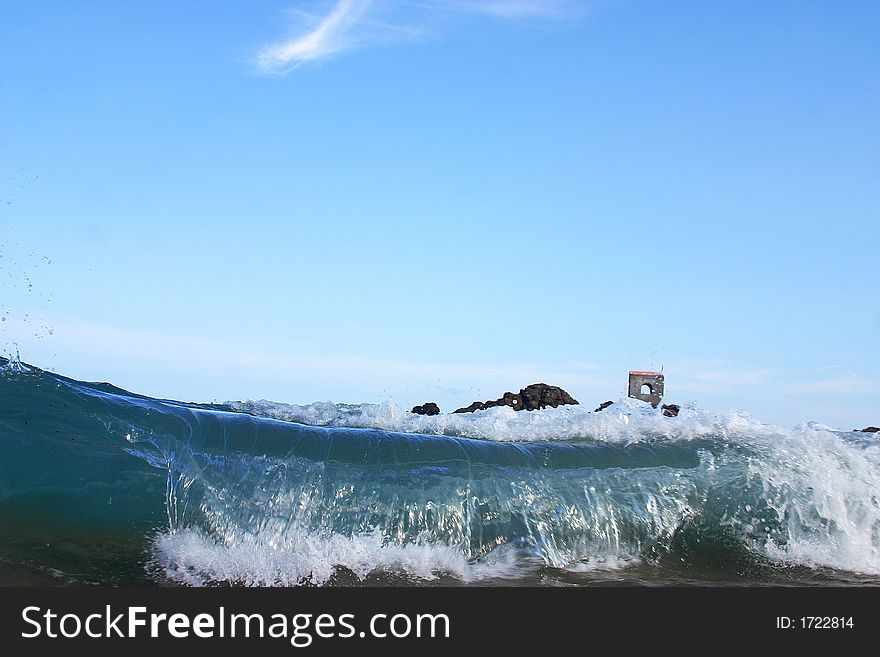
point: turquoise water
(99, 485)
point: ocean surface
(103, 486)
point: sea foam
(626, 420)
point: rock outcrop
(603, 406)
(869, 429)
(428, 408)
(530, 398)
(475, 406)
(670, 410)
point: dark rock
(869, 429)
(530, 398)
(540, 395)
(507, 399)
(603, 406)
(429, 408)
(671, 410)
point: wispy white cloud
(839, 384)
(701, 377)
(734, 377)
(345, 25)
(330, 35)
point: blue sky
(444, 199)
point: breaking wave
(262, 493)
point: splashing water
(217, 494)
(13, 363)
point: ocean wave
(271, 494)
